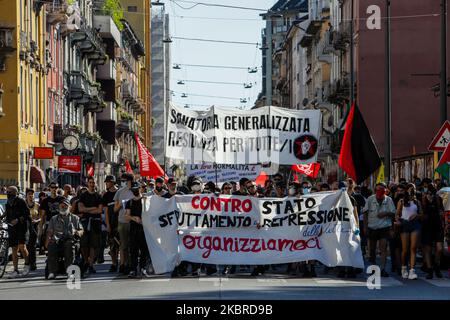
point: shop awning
(37, 175)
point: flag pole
(388, 93)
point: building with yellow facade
(23, 79)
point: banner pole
(215, 168)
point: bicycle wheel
(3, 256)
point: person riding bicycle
(61, 233)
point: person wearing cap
(172, 189)
(18, 217)
(49, 207)
(378, 214)
(121, 197)
(61, 231)
(112, 220)
(138, 244)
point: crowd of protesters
(396, 223)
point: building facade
(160, 81)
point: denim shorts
(410, 226)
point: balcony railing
(56, 12)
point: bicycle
(4, 246)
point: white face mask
(123, 184)
(306, 190)
(64, 212)
(292, 191)
(196, 187)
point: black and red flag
(359, 156)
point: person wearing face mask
(306, 188)
(432, 231)
(62, 229)
(409, 211)
(378, 213)
(17, 217)
(121, 197)
(111, 219)
(138, 244)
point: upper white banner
(233, 136)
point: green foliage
(71, 2)
(114, 9)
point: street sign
(441, 139)
(43, 153)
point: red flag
(148, 165)
(128, 167)
(311, 170)
(261, 179)
(90, 169)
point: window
(132, 8)
(37, 105)
(22, 113)
(31, 120)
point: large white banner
(223, 172)
(232, 230)
(233, 136)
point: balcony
(56, 13)
(107, 71)
(79, 86)
(339, 91)
(73, 22)
(96, 101)
(123, 126)
(341, 38)
(107, 28)
(313, 27)
(90, 45)
(139, 106)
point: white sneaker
(25, 271)
(412, 275)
(144, 273)
(405, 274)
(51, 276)
(13, 274)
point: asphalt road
(271, 286)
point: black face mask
(136, 193)
(11, 197)
(159, 189)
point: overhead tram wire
(212, 66)
(215, 82)
(201, 95)
(195, 4)
(218, 41)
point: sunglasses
(52, 187)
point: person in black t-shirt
(18, 218)
(49, 208)
(90, 208)
(112, 220)
(138, 245)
